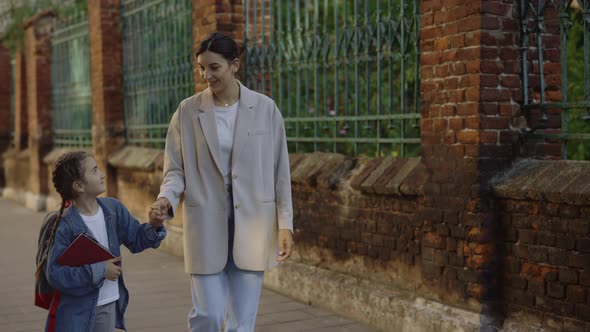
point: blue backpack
(44, 293)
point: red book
(84, 250)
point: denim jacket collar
(78, 226)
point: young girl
(91, 297)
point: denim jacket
(74, 308)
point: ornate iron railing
(70, 82)
(157, 65)
(555, 53)
(345, 74)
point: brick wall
(106, 66)
(461, 127)
(5, 92)
(38, 73)
(547, 266)
(347, 222)
(369, 218)
(21, 123)
(470, 126)
(544, 213)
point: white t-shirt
(225, 117)
(109, 292)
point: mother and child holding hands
(226, 151)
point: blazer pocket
(259, 132)
(193, 204)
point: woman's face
(217, 71)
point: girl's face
(93, 179)
(217, 71)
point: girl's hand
(285, 244)
(159, 211)
(113, 271)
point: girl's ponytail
(41, 264)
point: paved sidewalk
(159, 288)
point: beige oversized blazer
(261, 182)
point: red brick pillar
(106, 65)
(38, 68)
(470, 88)
(225, 16)
(21, 124)
(5, 91)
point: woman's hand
(159, 212)
(285, 244)
(113, 271)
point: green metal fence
(70, 81)
(157, 65)
(568, 20)
(343, 73)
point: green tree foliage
(578, 118)
(20, 12)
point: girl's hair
(221, 44)
(68, 169)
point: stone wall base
(15, 194)
(29, 199)
(366, 302)
(35, 202)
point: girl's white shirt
(109, 292)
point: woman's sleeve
(282, 173)
(173, 183)
(134, 235)
(75, 281)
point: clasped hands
(159, 212)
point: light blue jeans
(229, 298)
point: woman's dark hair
(68, 169)
(221, 44)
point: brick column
(5, 91)
(21, 124)
(224, 16)
(106, 65)
(470, 88)
(38, 68)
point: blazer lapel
(209, 127)
(244, 121)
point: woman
(226, 150)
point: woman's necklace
(227, 104)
